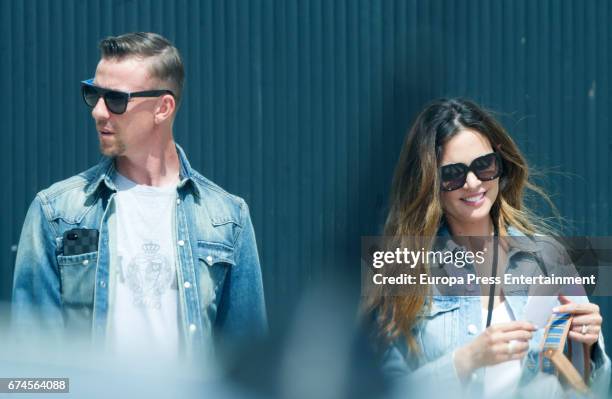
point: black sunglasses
(116, 101)
(487, 167)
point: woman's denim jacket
(453, 321)
(219, 278)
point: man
(140, 251)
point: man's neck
(156, 167)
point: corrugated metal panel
(301, 106)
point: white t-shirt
(143, 302)
(501, 379)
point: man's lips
(105, 132)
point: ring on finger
(584, 329)
(511, 345)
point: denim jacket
(453, 321)
(218, 273)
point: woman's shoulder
(546, 246)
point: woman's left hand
(586, 323)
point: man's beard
(114, 149)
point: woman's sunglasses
(487, 167)
(116, 101)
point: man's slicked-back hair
(166, 63)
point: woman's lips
(474, 199)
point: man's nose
(100, 111)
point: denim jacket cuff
(446, 374)
(600, 363)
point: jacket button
(209, 259)
(192, 328)
(187, 284)
(178, 201)
(472, 329)
(181, 243)
(85, 262)
(102, 284)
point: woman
(460, 174)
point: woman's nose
(472, 181)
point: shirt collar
(518, 242)
(105, 175)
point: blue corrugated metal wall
(300, 106)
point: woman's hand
(586, 323)
(498, 343)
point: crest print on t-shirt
(149, 275)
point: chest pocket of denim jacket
(78, 274)
(216, 260)
(440, 327)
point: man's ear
(165, 108)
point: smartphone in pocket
(80, 241)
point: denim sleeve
(36, 302)
(600, 369)
(437, 377)
(242, 310)
(599, 380)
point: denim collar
(105, 174)
(520, 243)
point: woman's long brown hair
(416, 213)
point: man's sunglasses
(487, 167)
(116, 101)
